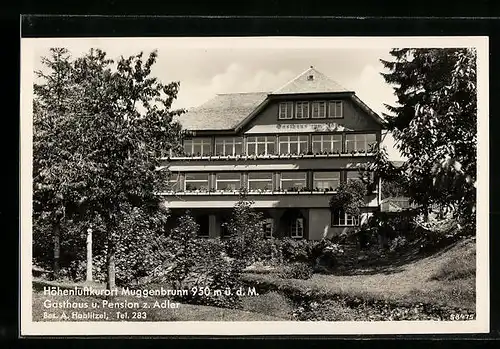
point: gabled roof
(310, 81)
(231, 111)
(223, 112)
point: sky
(207, 69)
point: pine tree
(434, 124)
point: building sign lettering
(312, 127)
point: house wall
(331, 163)
(353, 116)
(264, 201)
(320, 224)
(314, 207)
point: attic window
(310, 77)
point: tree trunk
(111, 267)
(57, 251)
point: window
(268, 227)
(196, 181)
(229, 181)
(296, 228)
(174, 182)
(302, 110)
(326, 181)
(286, 110)
(292, 181)
(352, 176)
(198, 146)
(318, 110)
(260, 181)
(340, 218)
(293, 144)
(326, 143)
(228, 146)
(355, 176)
(335, 109)
(360, 142)
(263, 145)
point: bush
(297, 271)
(200, 264)
(398, 243)
(390, 227)
(270, 251)
(270, 303)
(246, 232)
(294, 250)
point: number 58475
(460, 317)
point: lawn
(446, 278)
(185, 312)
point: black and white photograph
(254, 185)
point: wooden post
(89, 254)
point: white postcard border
(480, 325)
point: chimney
(310, 77)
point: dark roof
(230, 111)
(223, 112)
(310, 81)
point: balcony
(233, 193)
(303, 191)
(244, 157)
(305, 199)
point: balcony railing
(303, 191)
(308, 155)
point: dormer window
(335, 109)
(310, 77)
(318, 110)
(302, 110)
(286, 110)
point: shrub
(327, 256)
(246, 232)
(297, 271)
(390, 227)
(270, 303)
(198, 264)
(294, 250)
(398, 243)
(271, 251)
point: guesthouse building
(290, 149)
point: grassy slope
(446, 278)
